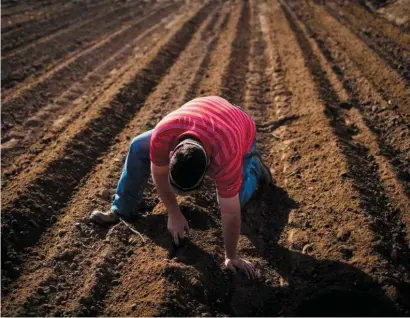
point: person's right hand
(241, 264)
(177, 225)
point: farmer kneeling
(206, 136)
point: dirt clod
(343, 235)
(347, 251)
(106, 194)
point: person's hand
(177, 224)
(241, 264)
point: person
(207, 136)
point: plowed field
(328, 83)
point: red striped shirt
(226, 132)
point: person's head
(187, 166)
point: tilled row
(394, 90)
(375, 22)
(380, 115)
(265, 92)
(15, 18)
(18, 85)
(381, 214)
(174, 270)
(184, 68)
(196, 282)
(35, 59)
(328, 238)
(396, 56)
(11, 7)
(37, 196)
(38, 28)
(104, 259)
(289, 289)
(83, 78)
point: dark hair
(188, 165)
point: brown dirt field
(327, 82)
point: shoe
(266, 176)
(104, 218)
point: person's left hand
(241, 264)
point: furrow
(20, 20)
(388, 83)
(72, 94)
(381, 114)
(362, 171)
(327, 85)
(162, 284)
(51, 35)
(120, 295)
(259, 70)
(195, 90)
(41, 28)
(233, 82)
(37, 196)
(396, 57)
(114, 253)
(317, 210)
(196, 263)
(390, 128)
(12, 8)
(211, 81)
(373, 24)
(385, 16)
(262, 95)
(195, 282)
(35, 60)
(200, 261)
(24, 87)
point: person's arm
(160, 177)
(231, 227)
(176, 221)
(231, 224)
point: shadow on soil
(312, 287)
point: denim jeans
(137, 170)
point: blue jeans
(137, 170)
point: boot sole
(98, 220)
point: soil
(327, 83)
(395, 11)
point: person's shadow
(312, 287)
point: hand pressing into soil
(231, 227)
(242, 265)
(177, 224)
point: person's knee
(138, 145)
(141, 143)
